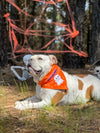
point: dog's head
(40, 65)
(97, 71)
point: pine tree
(3, 35)
(71, 60)
(95, 48)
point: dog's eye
(40, 58)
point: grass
(53, 119)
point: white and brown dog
(53, 83)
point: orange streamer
(70, 31)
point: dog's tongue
(30, 68)
(33, 70)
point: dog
(54, 86)
(96, 71)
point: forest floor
(59, 119)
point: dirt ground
(60, 119)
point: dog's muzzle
(32, 70)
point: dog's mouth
(33, 71)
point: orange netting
(70, 31)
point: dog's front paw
(22, 105)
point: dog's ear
(53, 59)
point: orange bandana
(54, 79)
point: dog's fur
(80, 87)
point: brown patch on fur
(80, 84)
(58, 96)
(81, 75)
(89, 92)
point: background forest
(87, 18)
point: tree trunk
(3, 35)
(95, 47)
(71, 60)
(54, 13)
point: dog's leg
(42, 103)
(33, 99)
(21, 105)
(31, 103)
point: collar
(54, 79)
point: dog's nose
(28, 65)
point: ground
(59, 119)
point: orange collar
(54, 79)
